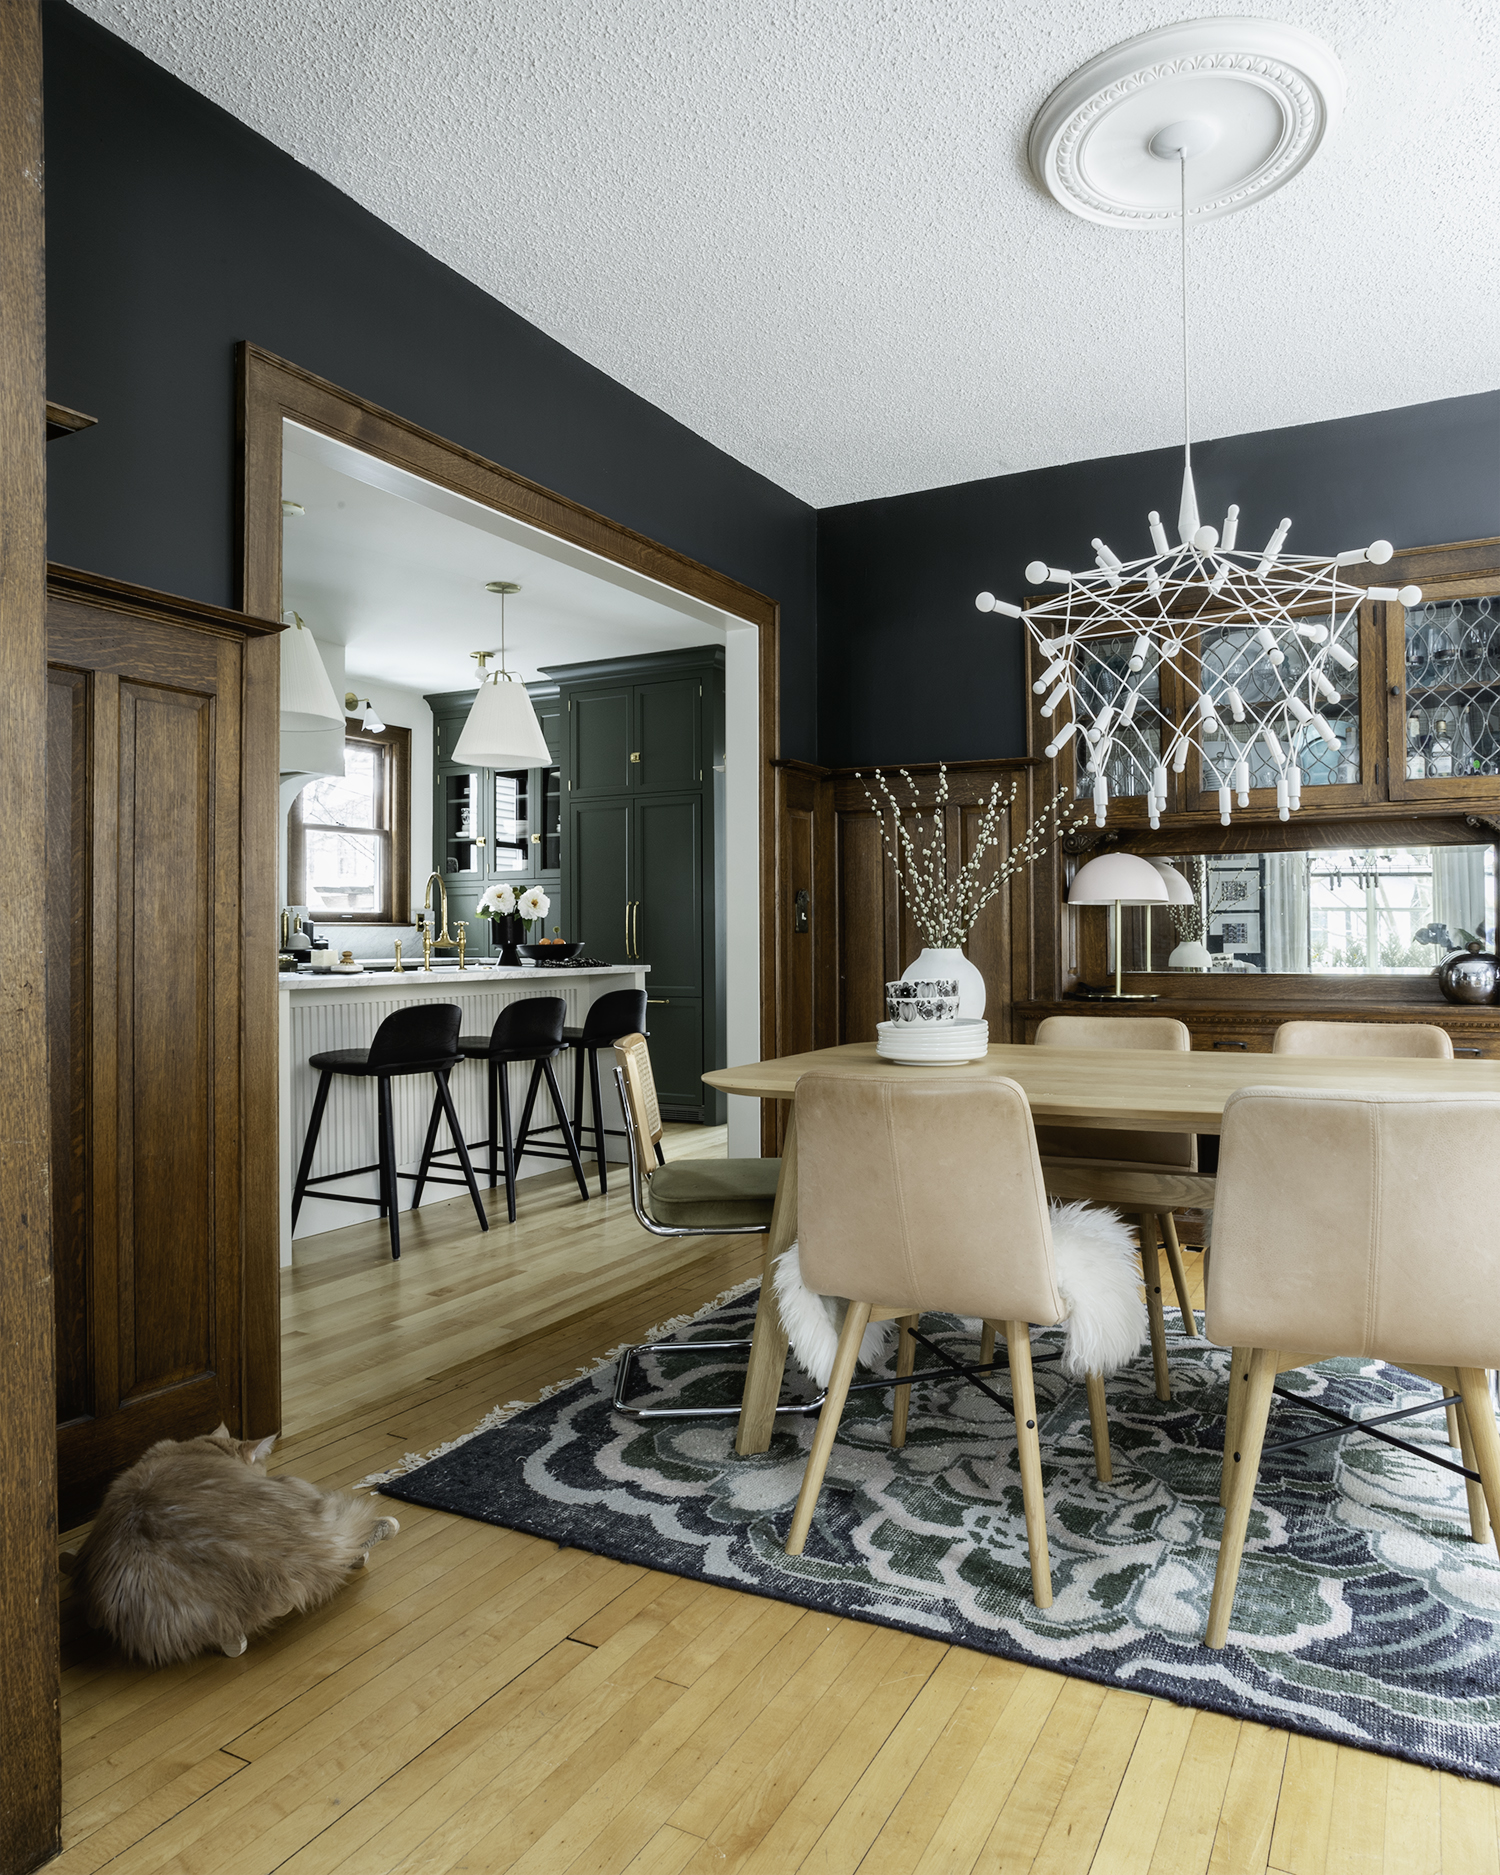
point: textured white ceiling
(806, 227)
(395, 569)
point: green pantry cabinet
(494, 826)
(639, 875)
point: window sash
(392, 835)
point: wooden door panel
(601, 731)
(164, 892)
(666, 884)
(675, 1025)
(66, 931)
(599, 878)
(669, 735)
(144, 898)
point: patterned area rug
(1365, 1614)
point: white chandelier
(1262, 642)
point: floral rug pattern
(1364, 1615)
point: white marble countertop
(473, 976)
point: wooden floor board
(480, 1700)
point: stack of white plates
(933, 1044)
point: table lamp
(1119, 879)
(1179, 892)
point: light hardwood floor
(483, 1701)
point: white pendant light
(307, 697)
(502, 730)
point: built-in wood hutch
(842, 932)
(1419, 766)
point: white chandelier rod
(1187, 420)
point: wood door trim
(272, 388)
(30, 1740)
(162, 608)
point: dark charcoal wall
(910, 672)
(173, 232)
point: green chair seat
(713, 1193)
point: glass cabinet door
(1231, 662)
(511, 852)
(548, 837)
(1446, 713)
(1105, 679)
(463, 831)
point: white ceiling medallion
(1260, 97)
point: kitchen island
(324, 1009)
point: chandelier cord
(1187, 426)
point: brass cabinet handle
(635, 929)
(627, 928)
(664, 1002)
(536, 839)
(1231, 1044)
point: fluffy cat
(196, 1547)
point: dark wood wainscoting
(162, 1219)
(861, 935)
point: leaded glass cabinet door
(1339, 768)
(1101, 684)
(1444, 656)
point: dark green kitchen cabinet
(495, 826)
(643, 846)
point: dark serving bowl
(551, 953)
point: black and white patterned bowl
(935, 1001)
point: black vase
(508, 934)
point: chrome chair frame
(631, 1355)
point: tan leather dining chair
(1364, 1225)
(1076, 1161)
(916, 1195)
(1415, 1040)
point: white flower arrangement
(498, 902)
(533, 906)
(945, 906)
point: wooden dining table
(1124, 1089)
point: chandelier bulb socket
(1341, 656)
(1057, 696)
(1060, 741)
(1158, 532)
(1223, 807)
(1231, 526)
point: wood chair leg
(987, 1344)
(1479, 1418)
(507, 1144)
(429, 1144)
(1451, 1414)
(1479, 1520)
(495, 1071)
(1029, 1454)
(390, 1187)
(1234, 1414)
(1151, 1275)
(1246, 1462)
(567, 1131)
(455, 1132)
(906, 1359)
(1099, 1427)
(310, 1144)
(855, 1322)
(598, 1107)
(1179, 1271)
(768, 1342)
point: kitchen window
(348, 856)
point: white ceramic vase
(933, 966)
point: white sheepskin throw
(814, 1323)
(1094, 1254)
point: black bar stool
(616, 1013)
(531, 1030)
(420, 1040)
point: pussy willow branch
(945, 907)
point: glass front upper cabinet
(1334, 773)
(1447, 728)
